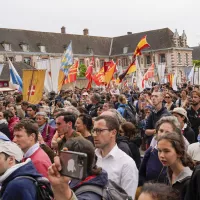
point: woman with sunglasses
(169, 103)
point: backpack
(43, 187)
(111, 191)
(130, 114)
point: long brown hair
(178, 144)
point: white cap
(11, 149)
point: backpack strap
(90, 188)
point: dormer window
(25, 47)
(125, 50)
(42, 49)
(7, 46)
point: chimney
(129, 33)
(63, 30)
(85, 31)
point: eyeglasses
(98, 131)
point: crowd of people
(145, 144)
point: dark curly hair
(87, 121)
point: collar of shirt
(187, 172)
(112, 153)
(32, 150)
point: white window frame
(125, 50)
(25, 47)
(7, 47)
(43, 49)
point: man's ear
(114, 132)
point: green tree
(82, 69)
(196, 63)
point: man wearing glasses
(120, 167)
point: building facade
(167, 48)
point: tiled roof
(196, 53)
(158, 39)
(55, 42)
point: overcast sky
(103, 17)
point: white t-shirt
(194, 151)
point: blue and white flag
(67, 60)
(15, 79)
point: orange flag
(138, 51)
(110, 72)
(72, 75)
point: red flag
(148, 74)
(88, 73)
(72, 75)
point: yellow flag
(33, 85)
(132, 69)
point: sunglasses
(167, 97)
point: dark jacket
(93, 110)
(100, 180)
(193, 190)
(155, 116)
(134, 146)
(4, 129)
(151, 168)
(189, 135)
(22, 188)
(194, 118)
(123, 144)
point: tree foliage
(196, 63)
(82, 70)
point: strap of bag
(89, 188)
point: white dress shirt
(121, 169)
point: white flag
(174, 83)
(1, 68)
(52, 71)
(191, 75)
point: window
(179, 58)
(125, 50)
(124, 62)
(42, 49)
(90, 51)
(148, 60)
(142, 61)
(27, 61)
(87, 63)
(10, 58)
(162, 58)
(101, 63)
(25, 47)
(97, 64)
(81, 61)
(7, 47)
(186, 58)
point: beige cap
(180, 111)
(11, 149)
(85, 94)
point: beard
(194, 103)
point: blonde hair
(122, 99)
